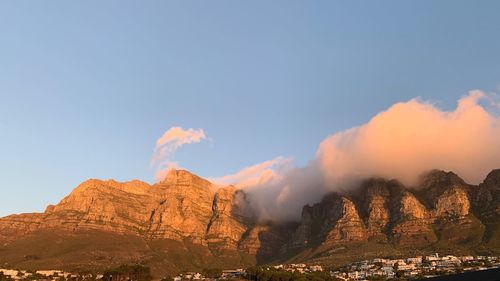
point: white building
(406, 267)
(316, 268)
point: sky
(88, 88)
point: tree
(35, 276)
(167, 278)
(212, 272)
(4, 277)
(128, 272)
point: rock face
(486, 204)
(217, 222)
(229, 221)
(411, 223)
(183, 206)
(266, 241)
(333, 220)
(440, 210)
(487, 200)
(445, 194)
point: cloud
(283, 199)
(493, 102)
(402, 142)
(412, 137)
(255, 175)
(168, 144)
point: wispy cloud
(168, 144)
(255, 175)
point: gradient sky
(86, 88)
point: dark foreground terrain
(482, 275)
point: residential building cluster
(225, 275)
(54, 275)
(299, 267)
(420, 266)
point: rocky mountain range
(186, 223)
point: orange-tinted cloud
(255, 175)
(412, 137)
(168, 143)
(402, 142)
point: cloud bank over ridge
(402, 142)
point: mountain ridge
(186, 214)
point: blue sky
(86, 88)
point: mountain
(187, 223)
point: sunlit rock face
(228, 222)
(183, 206)
(94, 204)
(333, 220)
(374, 206)
(349, 226)
(445, 194)
(387, 212)
(412, 226)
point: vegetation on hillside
(128, 272)
(262, 274)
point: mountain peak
(436, 178)
(493, 178)
(133, 186)
(184, 178)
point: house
(314, 268)
(414, 260)
(279, 266)
(411, 273)
(232, 273)
(467, 258)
